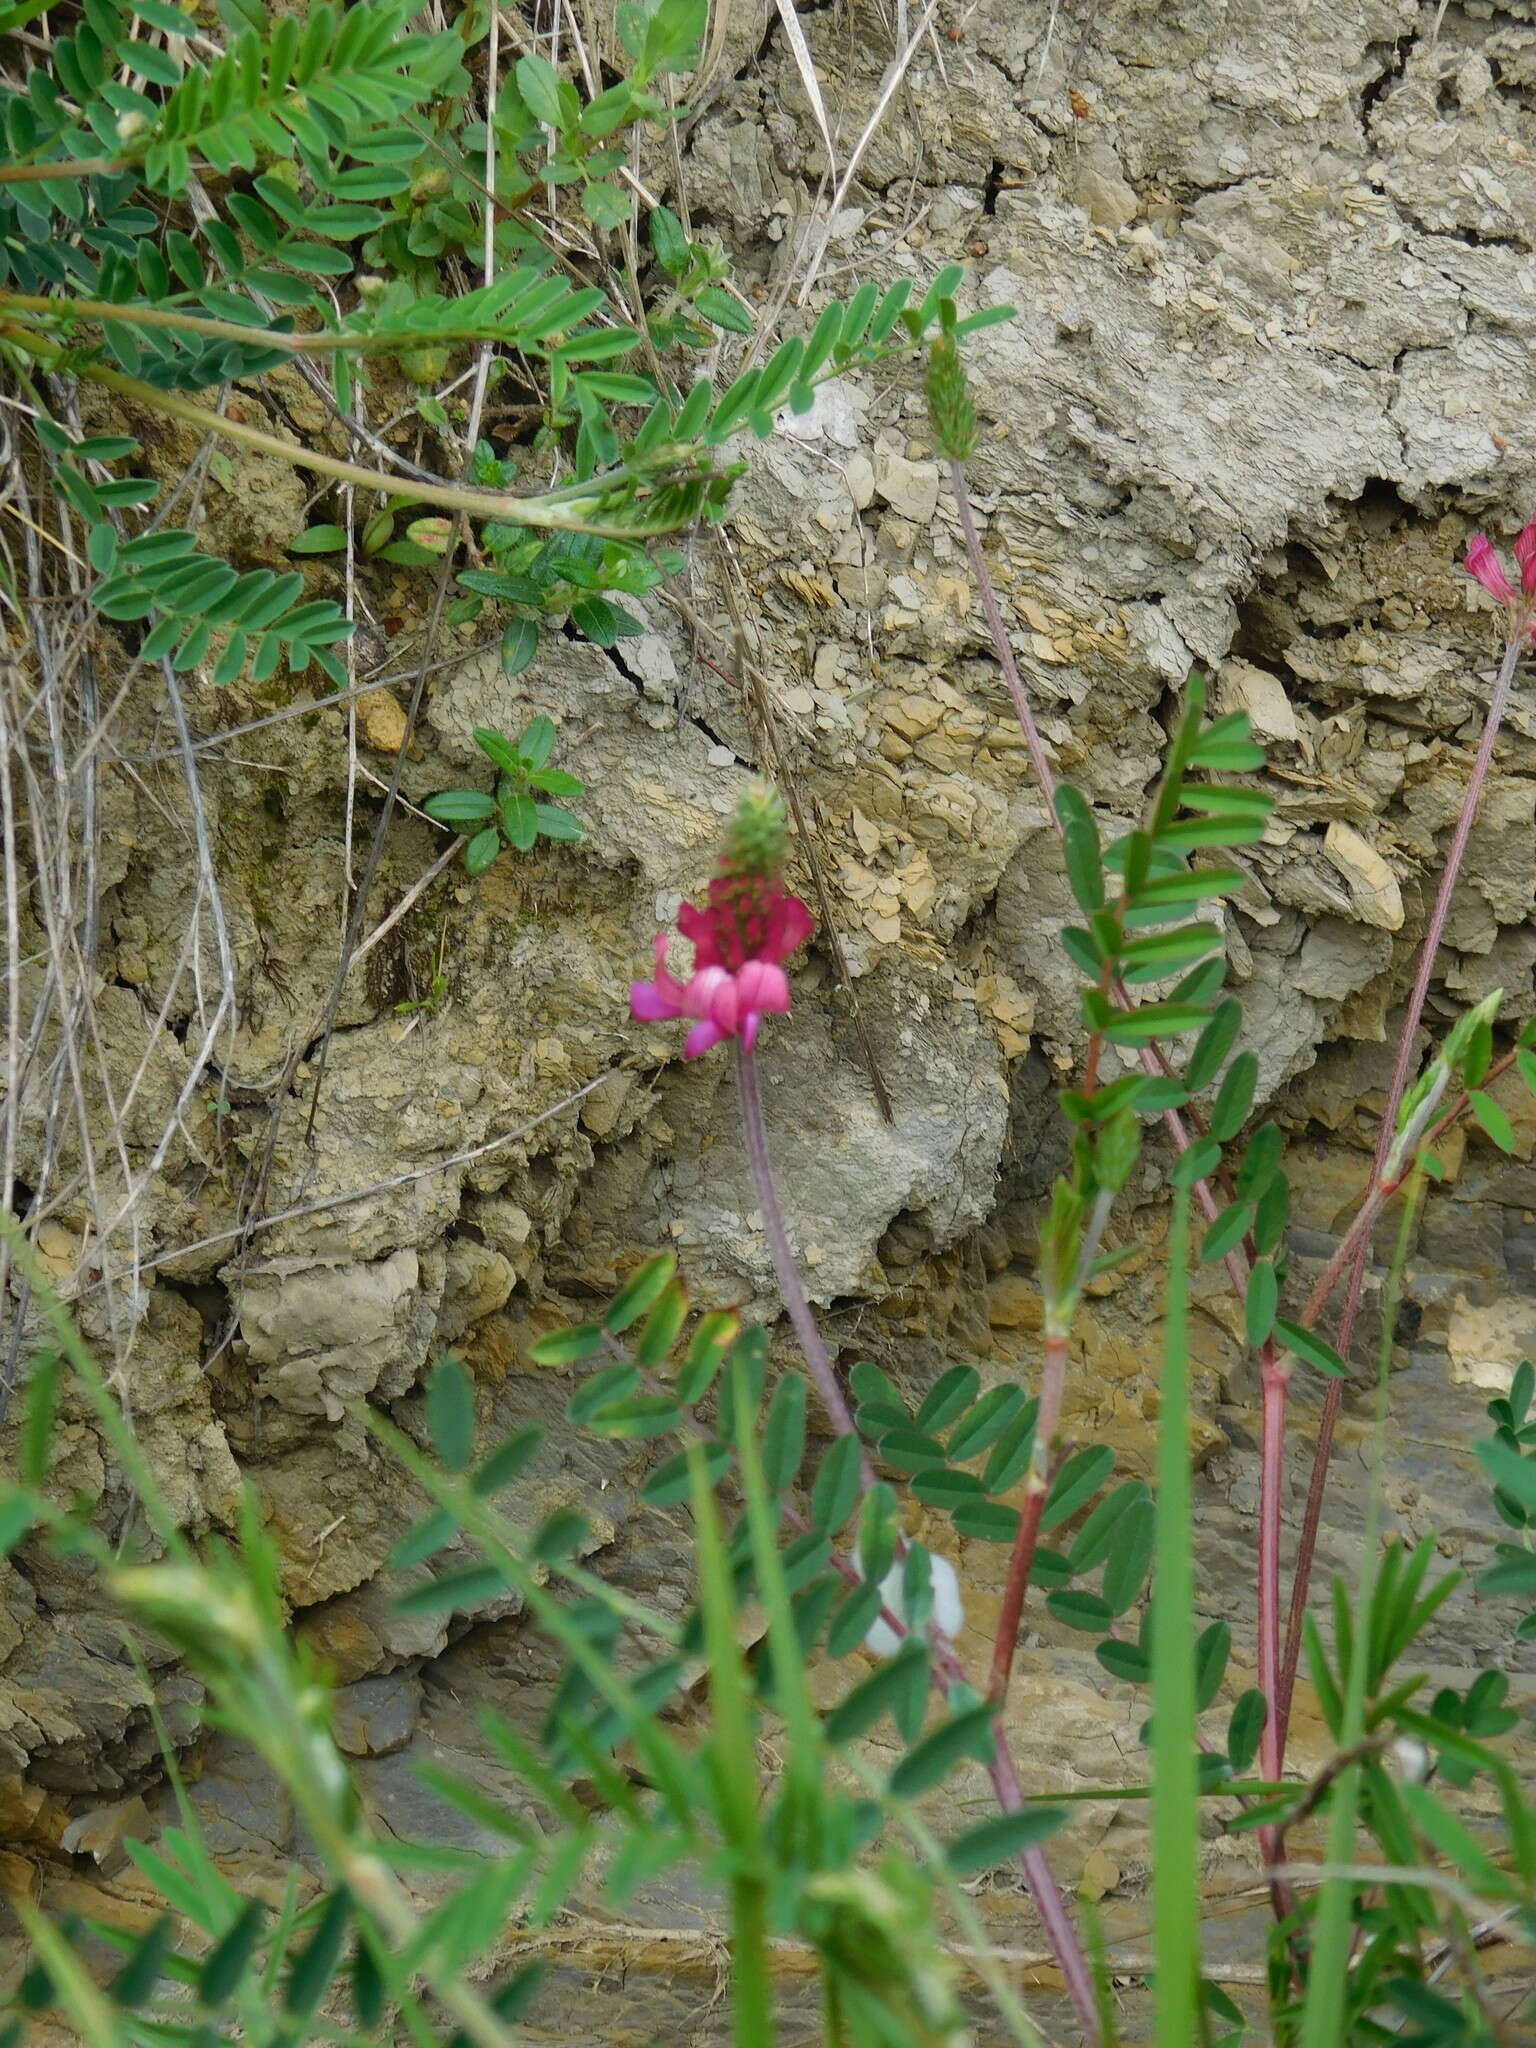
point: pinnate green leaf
(783, 1442)
(640, 1293)
(1493, 1119)
(451, 1413)
(1306, 1344)
(971, 1734)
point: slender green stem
(1274, 1383)
(752, 1983)
(59, 306)
(1175, 1783)
(734, 1762)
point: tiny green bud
(424, 365)
(190, 1606)
(1115, 1153)
(431, 183)
(1458, 1040)
(757, 838)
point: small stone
(1372, 886)
(101, 1832)
(381, 721)
(1014, 1303)
(909, 488)
(1262, 696)
(377, 1715)
(20, 1877)
(859, 475)
(1101, 191)
(1101, 1873)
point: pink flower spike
(725, 1006)
(748, 926)
(1525, 555)
(1484, 564)
(648, 1004)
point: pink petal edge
(648, 1004)
(1483, 563)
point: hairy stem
(1045, 1892)
(790, 1285)
(576, 509)
(57, 305)
(66, 167)
(1000, 641)
(1401, 1071)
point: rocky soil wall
(1274, 360)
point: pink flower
(1483, 563)
(749, 925)
(747, 917)
(729, 1003)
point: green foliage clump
(517, 814)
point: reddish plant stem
(1376, 1200)
(1021, 1564)
(1054, 1916)
(790, 1285)
(1001, 642)
(1021, 1560)
(66, 167)
(1274, 1377)
(1049, 1904)
(1402, 1068)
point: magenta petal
(699, 996)
(668, 986)
(1484, 564)
(694, 924)
(790, 924)
(647, 1002)
(1525, 555)
(725, 1006)
(701, 1038)
(761, 985)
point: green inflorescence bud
(950, 410)
(757, 838)
(1115, 1154)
